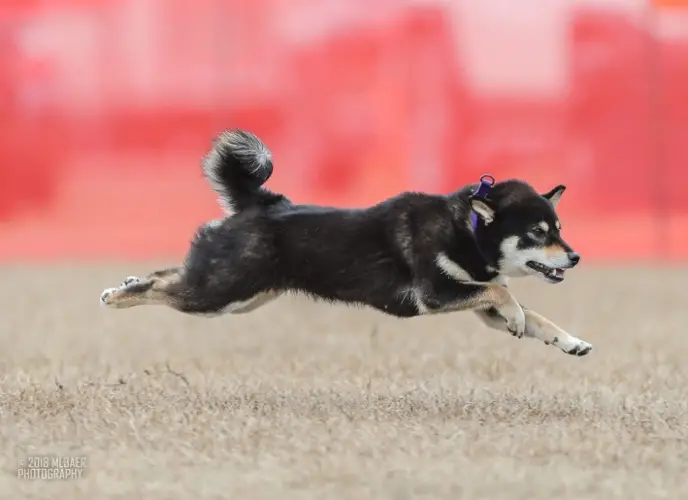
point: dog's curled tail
(237, 166)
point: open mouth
(551, 274)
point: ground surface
(304, 401)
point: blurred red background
(106, 108)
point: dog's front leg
(481, 296)
(539, 327)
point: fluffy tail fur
(237, 166)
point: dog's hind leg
(169, 287)
(539, 327)
(151, 290)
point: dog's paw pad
(581, 349)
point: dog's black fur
(409, 255)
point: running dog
(412, 254)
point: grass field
(309, 401)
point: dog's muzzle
(554, 274)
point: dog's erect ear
(555, 194)
(484, 209)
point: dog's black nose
(574, 258)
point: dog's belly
(398, 308)
(388, 294)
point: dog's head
(520, 231)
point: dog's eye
(537, 231)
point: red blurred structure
(107, 108)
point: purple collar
(486, 183)
(474, 220)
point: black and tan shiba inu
(409, 255)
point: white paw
(515, 320)
(106, 295)
(131, 280)
(573, 346)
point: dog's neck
(480, 245)
(481, 191)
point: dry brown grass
(307, 401)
